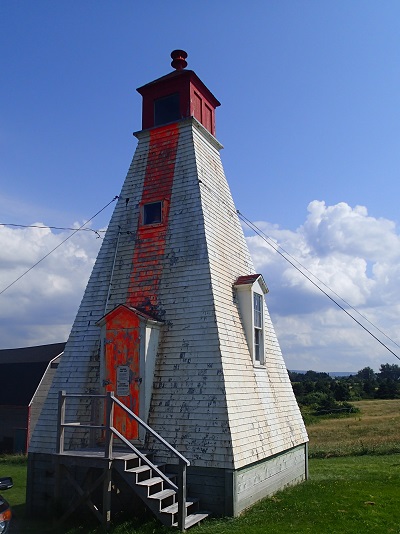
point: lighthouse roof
(178, 95)
(181, 76)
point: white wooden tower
(174, 318)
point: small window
(167, 109)
(152, 213)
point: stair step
(163, 494)
(150, 481)
(193, 519)
(140, 469)
(173, 508)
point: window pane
(257, 310)
(152, 213)
(257, 344)
(166, 109)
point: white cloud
(41, 306)
(355, 255)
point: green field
(354, 485)
(374, 430)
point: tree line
(323, 394)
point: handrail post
(182, 496)
(60, 422)
(109, 424)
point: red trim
(148, 255)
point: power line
(53, 227)
(276, 247)
(59, 245)
(319, 280)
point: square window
(167, 109)
(152, 213)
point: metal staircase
(163, 493)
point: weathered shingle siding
(264, 418)
(205, 380)
(189, 406)
(40, 395)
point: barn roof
(21, 371)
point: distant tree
(298, 390)
(340, 390)
(387, 389)
(309, 386)
(323, 394)
(389, 371)
(295, 377)
(315, 376)
(366, 374)
(369, 388)
(323, 385)
(316, 399)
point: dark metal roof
(41, 353)
(21, 371)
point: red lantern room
(176, 96)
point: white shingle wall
(188, 406)
(208, 399)
(264, 417)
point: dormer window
(250, 292)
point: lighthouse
(174, 323)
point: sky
(310, 123)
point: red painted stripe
(147, 261)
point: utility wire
(53, 227)
(59, 245)
(274, 245)
(276, 248)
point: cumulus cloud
(357, 257)
(41, 306)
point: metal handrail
(111, 431)
(149, 429)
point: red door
(122, 366)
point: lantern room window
(167, 109)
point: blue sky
(309, 121)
